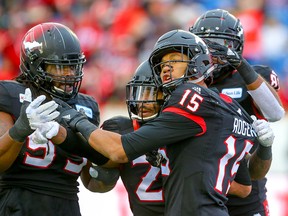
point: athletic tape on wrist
(247, 72)
(264, 153)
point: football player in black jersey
(142, 181)
(41, 179)
(253, 87)
(205, 134)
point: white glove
(45, 131)
(37, 113)
(264, 132)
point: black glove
(108, 176)
(155, 158)
(21, 129)
(78, 121)
(223, 55)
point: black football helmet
(199, 66)
(142, 90)
(52, 44)
(222, 27)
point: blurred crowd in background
(117, 35)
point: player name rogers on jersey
(243, 128)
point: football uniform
(42, 172)
(235, 87)
(206, 135)
(143, 182)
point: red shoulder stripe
(197, 119)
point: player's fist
(222, 55)
(264, 132)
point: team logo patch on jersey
(88, 111)
(25, 97)
(21, 97)
(233, 92)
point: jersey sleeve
(5, 102)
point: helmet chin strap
(197, 80)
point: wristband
(264, 153)
(85, 127)
(16, 135)
(76, 144)
(247, 73)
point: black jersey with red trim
(235, 87)
(206, 135)
(143, 182)
(44, 168)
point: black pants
(21, 202)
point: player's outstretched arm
(105, 142)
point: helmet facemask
(144, 101)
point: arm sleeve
(75, 144)
(264, 98)
(242, 175)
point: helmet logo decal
(31, 47)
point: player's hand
(37, 113)
(45, 131)
(78, 121)
(155, 158)
(264, 132)
(69, 115)
(222, 55)
(108, 176)
(21, 129)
